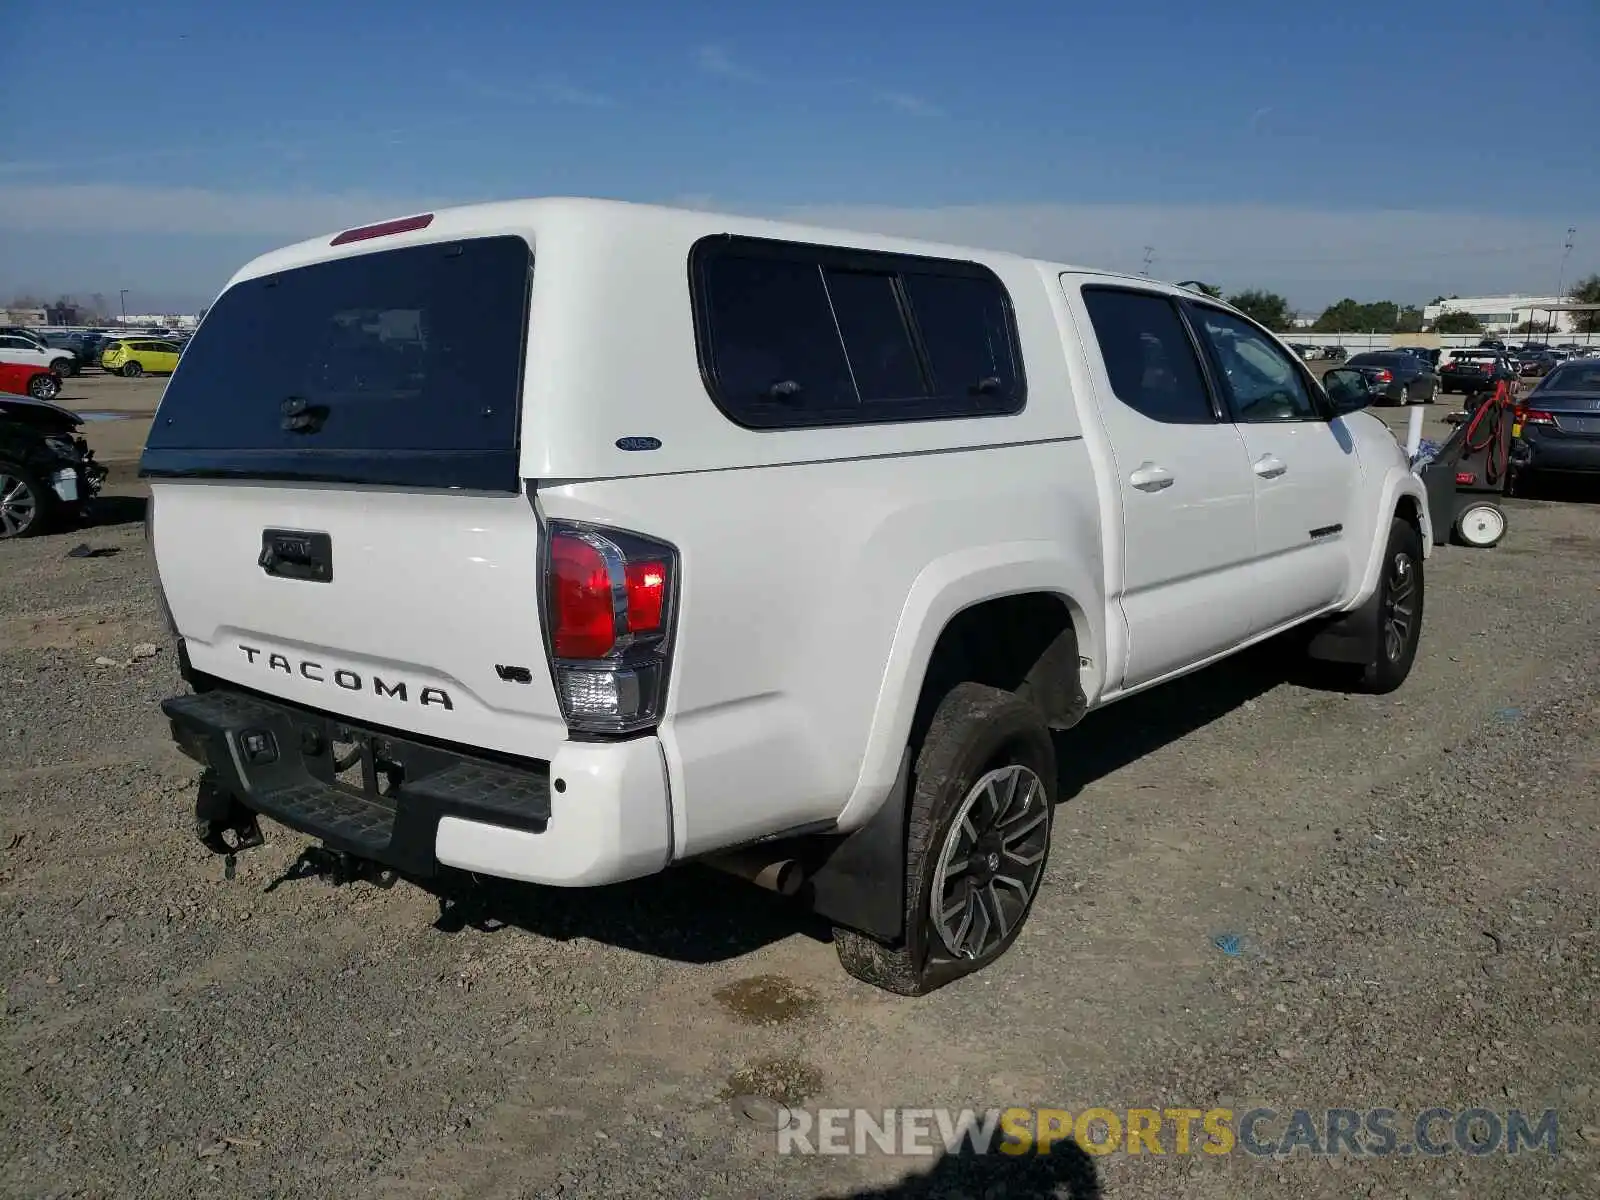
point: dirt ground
(1411, 878)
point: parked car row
(67, 352)
(1312, 353)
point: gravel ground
(1413, 877)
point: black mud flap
(1350, 638)
(861, 883)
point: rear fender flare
(944, 588)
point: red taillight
(1466, 477)
(1385, 377)
(609, 612)
(383, 229)
(582, 615)
(647, 596)
(1535, 416)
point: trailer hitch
(223, 825)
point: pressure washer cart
(1473, 465)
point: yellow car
(132, 357)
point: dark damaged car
(47, 471)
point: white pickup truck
(566, 540)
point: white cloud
(715, 60)
(912, 106)
(1313, 256)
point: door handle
(1148, 477)
(1270, 466)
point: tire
(1405, 394)
(1480, 526)
(44, 386)
(24, 502)
(1433, 393)
(988, 758)
(64, 367)
(1389, 665)
(132, 370)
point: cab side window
(1149, 356)
(1263, 383)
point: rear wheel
(131, 370)
(1405, 394)
(982, 800)
(64, 366)
(22, 502)
(44, 386)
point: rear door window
(1149, 357)
(397, 366)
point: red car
(25, 379)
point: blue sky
(1371, 149)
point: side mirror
(1348, 389)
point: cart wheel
(1480, 526)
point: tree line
(1385, 316)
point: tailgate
(428, 599)
(338, 515)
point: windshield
(401, 366)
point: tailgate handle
(290, 554)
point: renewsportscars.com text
(1259, 1132)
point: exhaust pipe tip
(782, 875)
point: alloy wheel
(1399, 606)
(991, 862)
(19, 507)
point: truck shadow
(1067, 1173)
(687, 914)
(693, 914)
(1114, 737)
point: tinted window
(1148, 355)
(778, 348)
(1263, 382)
(968, 338)
(1574, 377)
(882, 359)
(378, 367)
(793, 335)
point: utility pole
(1561, 277)
(1149, 257)
(124, 295)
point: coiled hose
(1489, 419)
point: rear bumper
(1576, 454)
(597, 813)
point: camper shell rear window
(400, 367)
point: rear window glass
(792, 335)
(1574, 378)
(415, 350)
